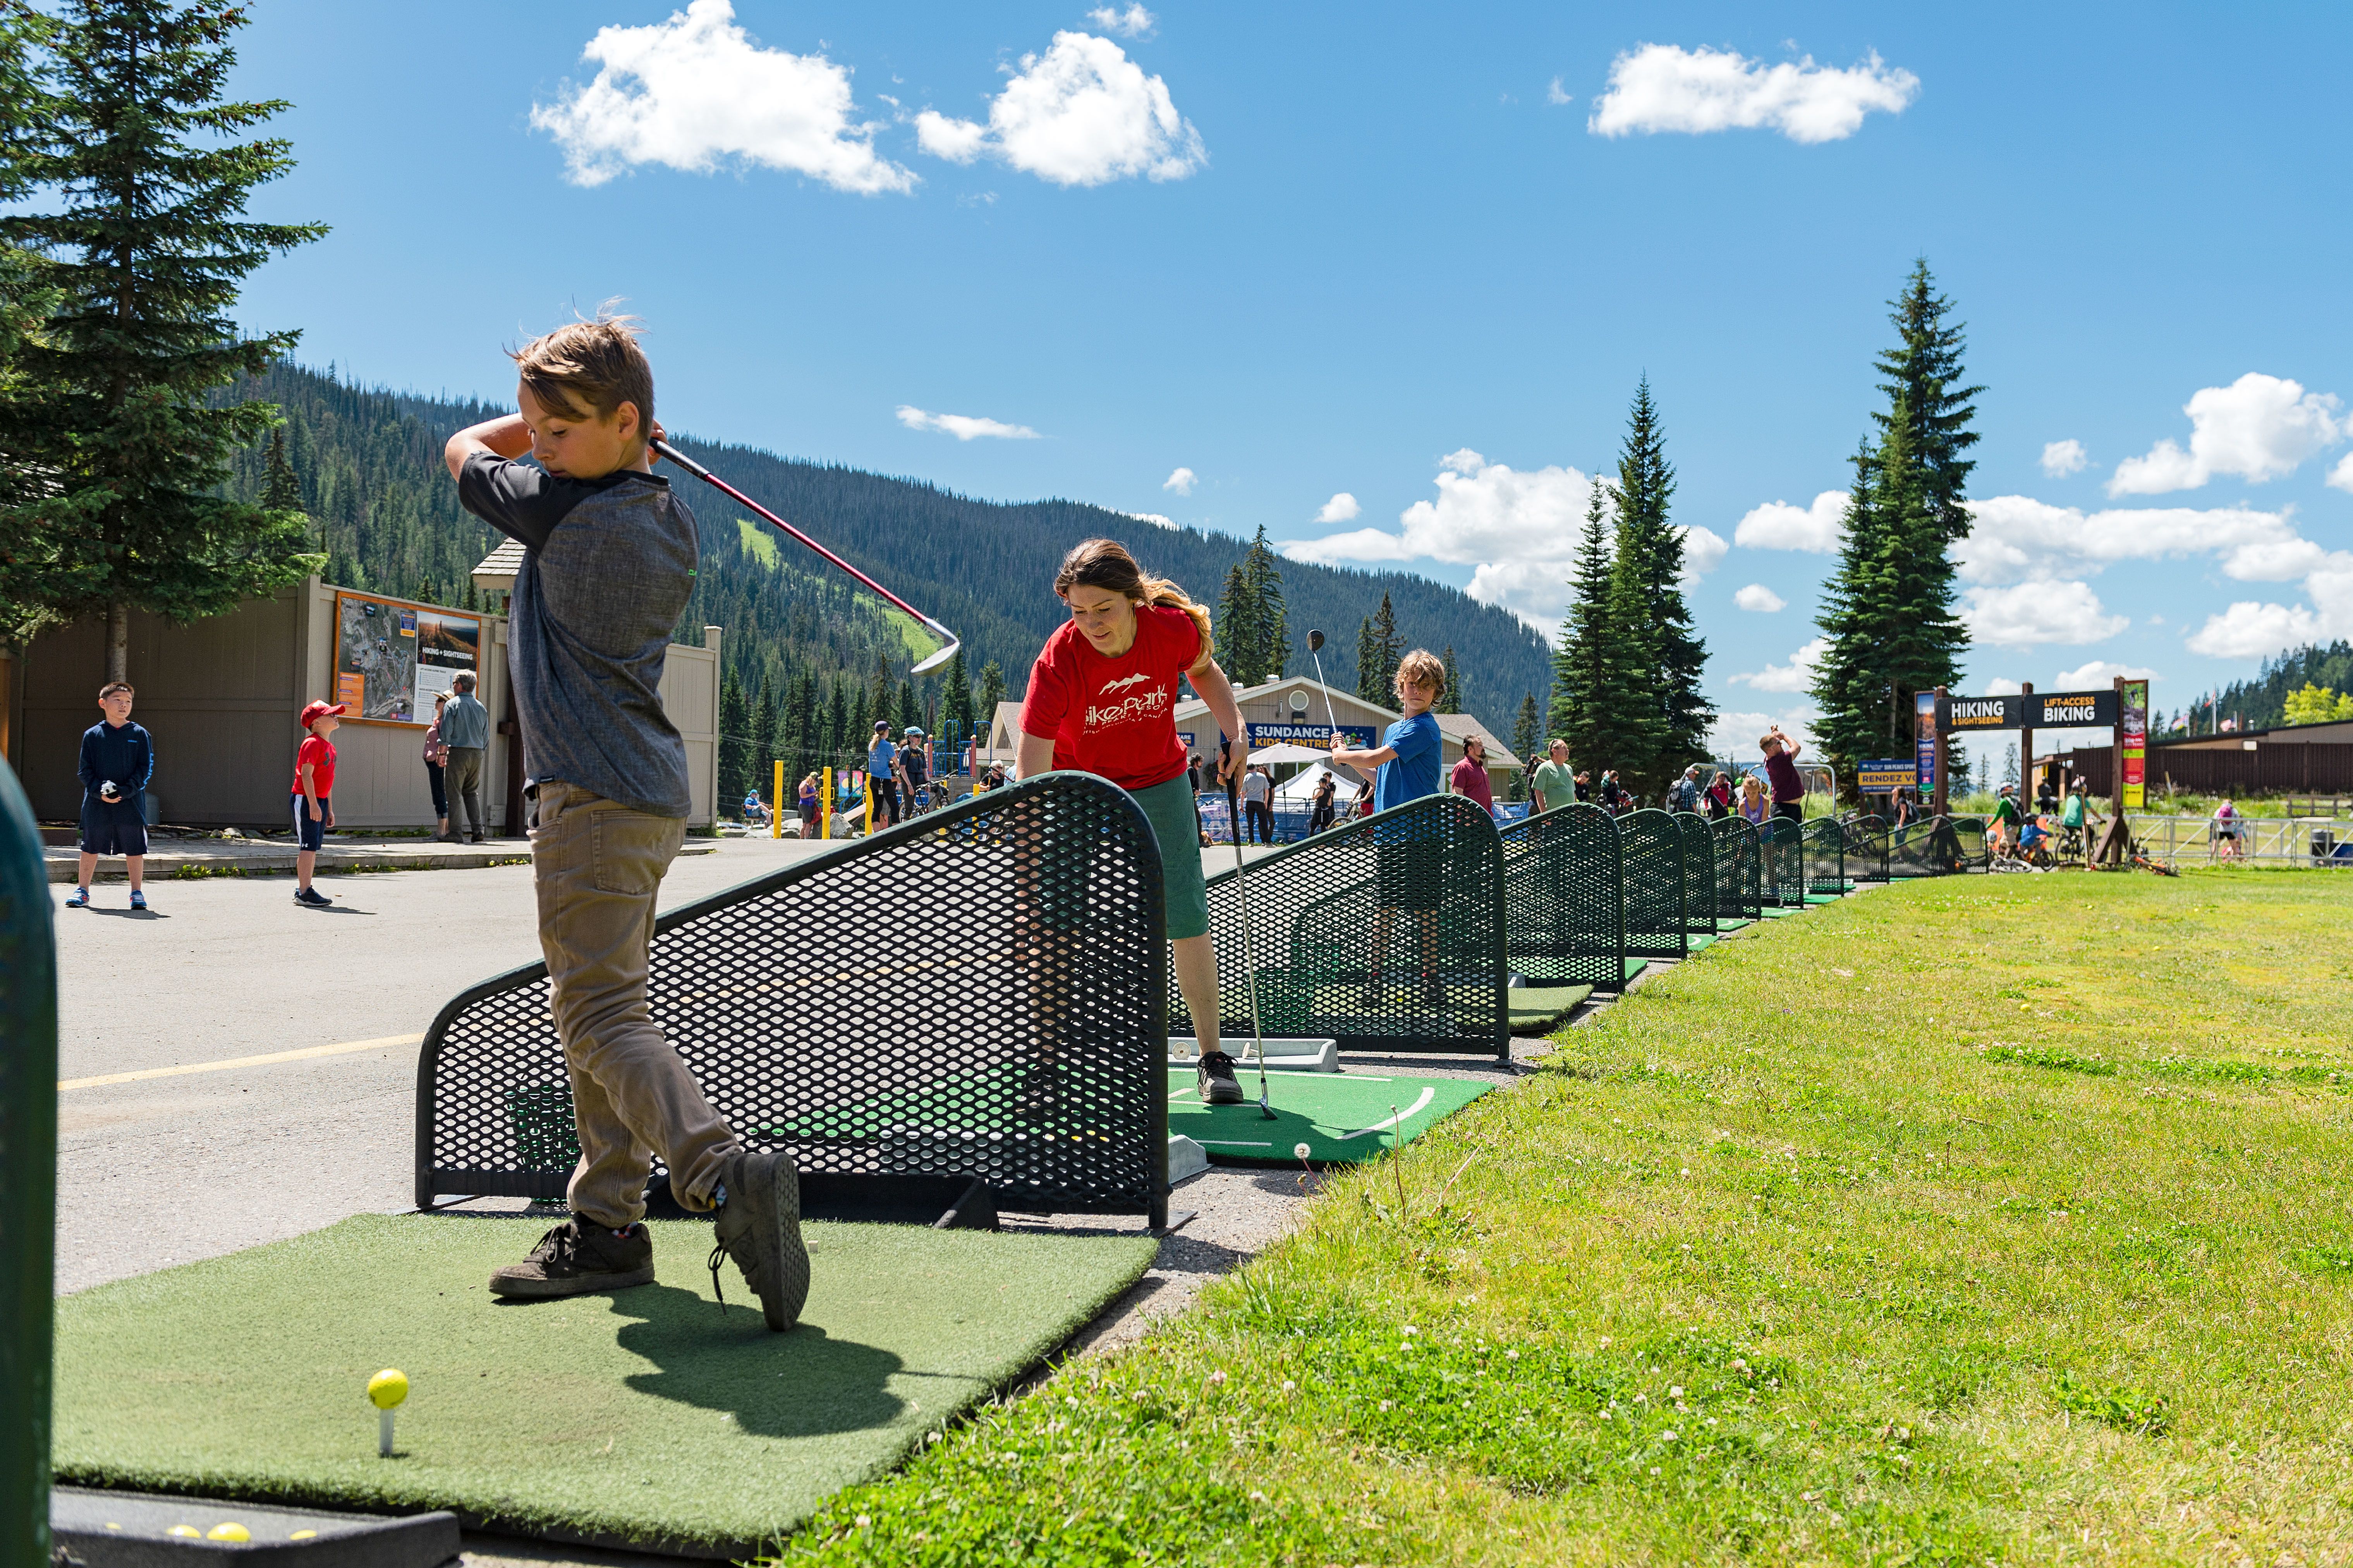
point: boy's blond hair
(589, 368)
(1768, 743)
(1421, 667)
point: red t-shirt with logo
(1116, 717)
(316, 751)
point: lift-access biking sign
(2042, 711)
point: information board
(2132, 735)
(1924, 748)
(2042, 711)
(1357, 737)
(1885, 776)
(392, 656)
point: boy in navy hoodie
(117, 759)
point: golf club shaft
(1329, 717)
(1249, 947)
(716, 483)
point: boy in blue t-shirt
(117, 759)
(1408, 877)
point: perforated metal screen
(976, 993)
(1782, 844)
(1969, 844)
(1923, 848)
(1866, 848)
(1699, 873)
(1386, 934)
(1653, 847)
(1738, 874)
(1564, 899)
(1824, 842)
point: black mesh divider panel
(978, 994)
(1421, 885)
(1866, 848)
(1823, 841)
(1969, 848)
(1564, 899)
(1699, 873)
(1656, 924)
(1738, 893)
(1925, 848)
(1782, 844)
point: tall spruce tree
(1241, 647)
(1377, 652)
(1263, 574)
(27, 300)
(146, 245)
(992, 692)
(1365, 660)
(1594, 697)
(1525, 737)
(955, 701)
(1859, 715)
(1924, 373)
(1654, 625)
(734, 742)
(1449, 699)
(911, 712)
(763, 750)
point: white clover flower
(1676, 1392)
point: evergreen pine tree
(1367, 683)
(280, 491)
(833, 753)
(1924, 639)
(1241, 649)
(1525, 736)
(956, 705)
(992, 692)
(1924, 372)
(145, 247)
(734, 742)
(1264, 577)
(1859, 718)
(763, 753)
(1378, 651)
(1593, 697)
(1668, 656)
(804, 737)
(1449, 697)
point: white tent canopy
(1284, 752)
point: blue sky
(1383, 279)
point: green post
(28, 1178)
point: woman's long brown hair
(1105, 563)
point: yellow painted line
(305, 1054)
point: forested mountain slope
(369, 463)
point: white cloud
(1797, 674)
(1778, 525)
(1181, 482)
(1155, 519)
(1082, 114)
(2015, 537)
(2099, 673)
(1660, 86)
(1756, 596)
(1704, 551)
(1735, 734)
(1341, 508)
(2259, 428)
(2002, 685)
(963, 426)
(2341, 476)
(2250, 630)
(1555, 94)
(2039, 612)
(1133, 23)
(2061, 459)
(692, 91)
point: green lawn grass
(1985, 1219)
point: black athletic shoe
(1374, 995)
(1433, 994)
(760, 1228)
(1215, 1074)
(579, 1259)
(312, 899)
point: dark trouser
(433, 772)
(886, 801)
(465, 787)
(1262, 820)
(1793, 810)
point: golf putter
(1249, 956)
(1315, 652)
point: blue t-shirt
(1413, 771)
(878, 758)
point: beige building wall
(221, 697)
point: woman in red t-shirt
(1102, 698)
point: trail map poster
(392, 656)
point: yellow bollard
(870, 806)
(825, 804)
(776, 815)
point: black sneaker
(760, 1228)
(1373, 995)
(312, 899)
(1433, 994)
(577, 1259)
(1215, 1074)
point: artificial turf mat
(645, 1416)
(1341, 1117)
(1691, 942)
(1540, 1009)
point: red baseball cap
(322, 709)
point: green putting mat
(1775, 912)
(1341, 1117)
(645, 1416)
(1541, 1009)
(1823, 898)
(1692, 943)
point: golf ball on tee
(387, 1388)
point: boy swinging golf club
(609, 563)
(1102, 696)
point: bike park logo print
(1138, 706)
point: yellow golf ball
(230, 1532)
(387, 1388)
(189, 1530)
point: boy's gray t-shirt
(607, 567)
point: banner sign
(2043, 711)
(392, 656)
(2131, 733)
(1884, 777)
(1356, 737)
(1924, 748)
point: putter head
(945, 654)
(1314, 642)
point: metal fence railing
(2325, 841)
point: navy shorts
(309, 835)
(117, 829)
(1410, 874)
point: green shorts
(1169, 808)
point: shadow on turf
(804, 1383)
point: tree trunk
(118, 641)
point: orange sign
(351, 689)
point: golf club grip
(716, 483)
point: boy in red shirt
(314, 783)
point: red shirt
(1469, 781)
(316, 751)
(1116, 717)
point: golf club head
(936, 659)
(1314, 642)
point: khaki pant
(462, 778)
(596, 867)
